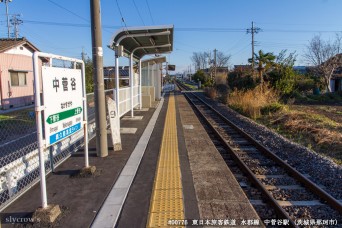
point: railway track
(273, 186)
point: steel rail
(330, 200)
(279, 210)
(304, 180)
(300, 177)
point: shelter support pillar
(117, 83)
(140, 76)
(131, 82)
(161, 75)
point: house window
(18, 78)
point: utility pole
(8, 23)
(16, 21)
(99, 94)
(83, 54)
(252, 31)
(214, 64)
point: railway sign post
(60, 106)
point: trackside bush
(250, 102)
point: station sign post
(60, 106)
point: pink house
(16, 73)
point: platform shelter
(135, 43)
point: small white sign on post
(114, 121)
(60, 94)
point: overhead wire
(67, 24)
(75, 14)
(149, 10)
(135, 5)
(122, 18)
(179, 29)
(242, 49)
(62, 7)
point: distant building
(109, 76)
(336, 80)
(16, 72)
(242, 68)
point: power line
(75, 14)
(237, 43)
(149, 10)
(184, 29)
(242, 49)
(138, 12)
(67, 24)
(122, 18)
(62, 7)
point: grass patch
(318, 127)
(16, 123)
(313, 130)
(193, 87)
(322, 98)
(3, 117)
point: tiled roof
(6, 44)
(111, 70)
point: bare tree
(196, 59)
(203, 60)
(323, 55)
(200, 59)
(222, 60)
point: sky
(62, 27)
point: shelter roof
(145, 40)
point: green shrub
(199, 76)
(241, 81)
(305, 85)
(327, 97)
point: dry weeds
(210, 92)
(322, 129)
(252, 101)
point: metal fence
(19, 162)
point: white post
(153, 83)
(38, 110)
(117, 85)
(161, 75)
(148, 76)
(140, 76)
(131, 81)
(85, 118)
(152, 75)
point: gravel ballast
(321, 170)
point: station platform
(169, 174)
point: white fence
(19, 163)
(125, 99)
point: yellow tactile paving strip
(167, 197)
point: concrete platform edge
(111, 209)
